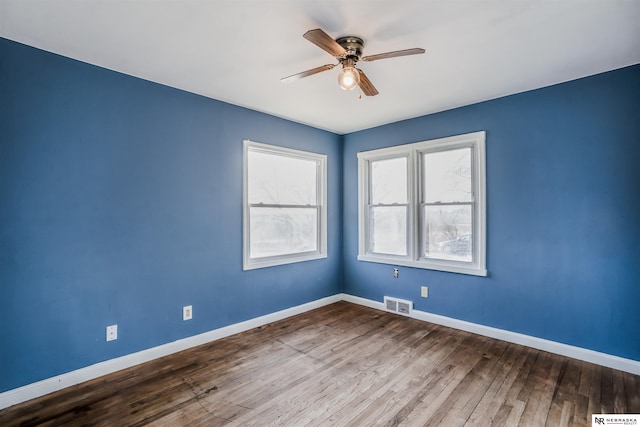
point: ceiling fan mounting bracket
(353, 45)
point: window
(423, 204)
(284, 206)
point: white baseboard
(49, 385)
(603, 359)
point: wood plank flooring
(343, 365)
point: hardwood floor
(344, 365)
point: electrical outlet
(424, 292)
(396, 273)
(187, 312)
(112, 332)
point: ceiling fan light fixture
(349, 77)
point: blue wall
(563, 208)
(120, 202)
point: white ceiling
(237, 50)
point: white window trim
(476, 141)
(249, 263)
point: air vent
(396, 305)
(391, 304)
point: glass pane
(389, 230)
(281, 231)
(281, 180)
(446, 176)
(447, 232)
(389, 181)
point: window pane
(389, 181)
(281, 180)
(446, 176)
(389, 230)
(447, 232)
(281, 231)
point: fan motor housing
(353, 45)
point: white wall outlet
(396, 273)
(112, 332)
(424, 292)
(187, 312)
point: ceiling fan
(348, 51)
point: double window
(423, 204)
(284, 205)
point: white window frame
(413, 152)
(321, 192)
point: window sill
(460, 269)
(272, 262)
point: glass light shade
(348, 78)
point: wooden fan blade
(365, 84)
(307, 73)
(324, 42)
(394, 54)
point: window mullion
(418, 208)
(412, 220)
